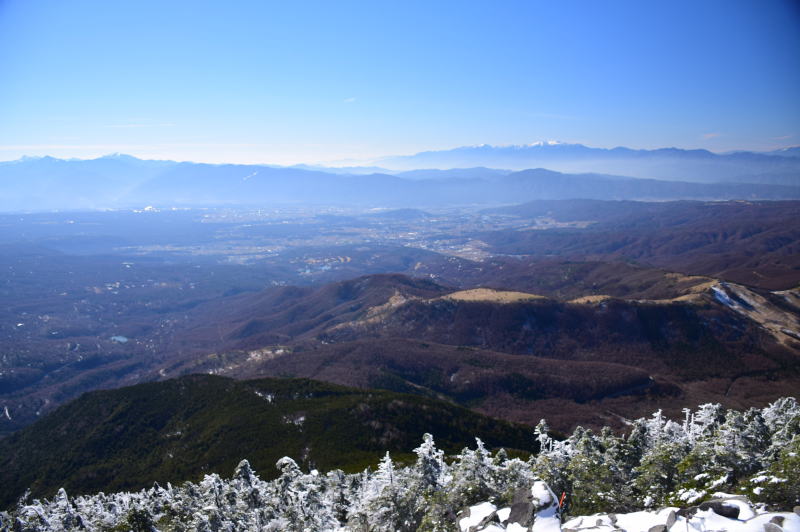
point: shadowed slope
(181, 429)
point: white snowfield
(486, 517)
(703, 520)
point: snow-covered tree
(391, 504)
(756, 452)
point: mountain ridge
(696, 165)
(126, 182)
(441, 345)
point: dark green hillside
(180, 429)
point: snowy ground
(738, 515)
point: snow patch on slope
(783, 325)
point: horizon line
(367, 162)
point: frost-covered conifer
(742, 441)
(542, 435)
(756, 452)
(472, 475)
(338, 494)
(550, 464)
(429, 468)
(596, 477)
(783, 422)
(390, 502)
(665, 445)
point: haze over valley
(107, 298)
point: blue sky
(294, 81)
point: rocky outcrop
(534, 509)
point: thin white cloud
(709, 136)
(138, 125)
(553, 116)
(349, 100)
(783, 137)
(209, 152)
(126, 147)
(109, 147)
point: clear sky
(295, 81)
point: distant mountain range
(122, 181)
(674, 164)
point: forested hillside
(181, 429)
(664, 467)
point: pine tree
(338, 494)
(396, 505)
(783, 421)
(429, 468)
(665, 446)
(472, 475)
(596, 475)
(741, 443)
(550, 465)
(779, 485)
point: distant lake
(119, 339)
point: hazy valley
(676, 303)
